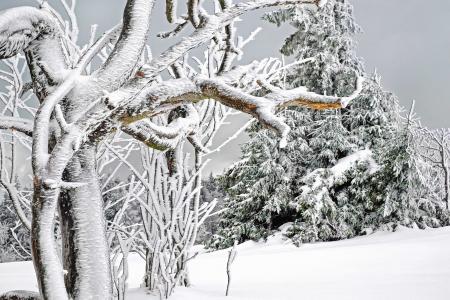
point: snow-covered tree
(211, 190)
(324, 50)
(326, 38)
(375, 117)
(324, 206)
(393, 184)
(14, 237)
(404, 183)
(436, 147)
(256, 193)
(171, 215)
(113, 83)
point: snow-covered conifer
(380, 190)
(263, 186)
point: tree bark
(83, 230)
(46, 261)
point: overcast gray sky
(407, 41)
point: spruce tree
(381, 185)
(263, 186)
(402, 187)
(258, 191)
(12, 248)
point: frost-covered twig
(211, 25)
(231, 257)
(436, 151)
(24, 126)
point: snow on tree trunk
(46, 260)
(85, 251)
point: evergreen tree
(211, 190)
(403, 193)
(374, 118)
(10, 247)
(327, 36)
(258, 191)
(264, 186)
(379, 184)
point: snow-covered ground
(408, 264)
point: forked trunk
(85, 249)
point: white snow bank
(407, 264)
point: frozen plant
(231, 257)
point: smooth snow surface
(408, 264)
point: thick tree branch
(42, 120)
(127, 52)
(165, 137)
(143, 134)
(157, 97)
(36, 32)
(171, 11)
(126, 108)
(20, 26)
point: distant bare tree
(437, 152)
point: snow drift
(407, 264)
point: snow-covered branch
(204, 32)
(162, 97)
(21, 26)
(128, 49)
(141, 132)
(18, 124)
(15, 197)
